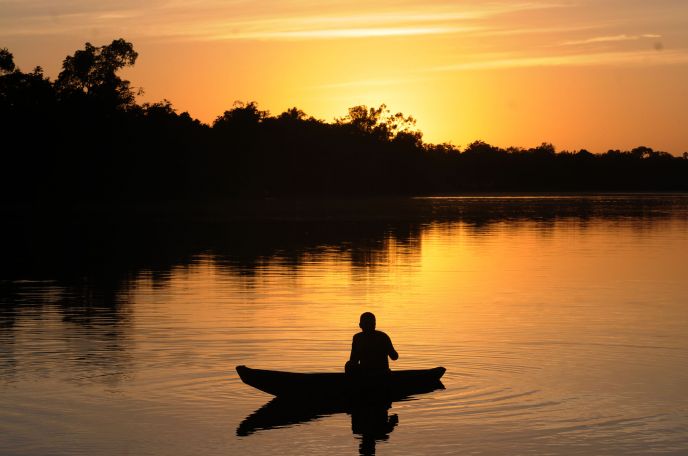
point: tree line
(84, 137)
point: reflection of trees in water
(249, 246)
(8, 320)
(78, 327)
(94, 256)
(97, 253)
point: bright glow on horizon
(579, 73)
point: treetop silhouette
(92, 73)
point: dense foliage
(84, 137)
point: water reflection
(102, 251)
(281, 412)
(81, 267)
(34, 315)
(144, 313)
(371, 422)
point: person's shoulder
(381, 334)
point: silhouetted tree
(6, 62)
(292, 114)
(544, 150)
(25, 94)
(242, 115)
(379, 122)
(92, 72)
(642, 152)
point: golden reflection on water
(559, 336)
(507, 286)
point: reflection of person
(373, 424)
(370, 348)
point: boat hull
(341, 385)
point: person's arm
(352, 364)
(392, 352)
(354, 357)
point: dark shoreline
(83, 137)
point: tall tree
(92, 73)
(6, 62)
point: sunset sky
(594, 74)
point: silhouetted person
(370, 349)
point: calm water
(562, 322)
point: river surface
(562, 322)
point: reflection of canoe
(289, 384)
(283, 412)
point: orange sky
(578, 73)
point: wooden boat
(397, 384)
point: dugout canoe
(399, 383)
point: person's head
(367, 322)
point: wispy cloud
(489, 32)
(411, 20)
(503, 61)
(638, 58)
(339, 33)
(611, 39)
(241, 20)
